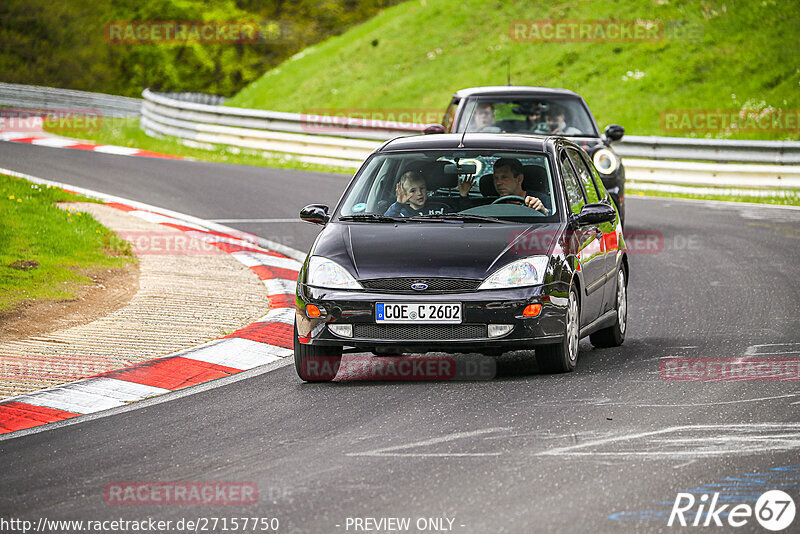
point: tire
(315, 363)
(562, 357)
(614, 335)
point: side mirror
(595, 214)
(614, 132)
(315, 213)
(433, 129)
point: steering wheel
(507, 198)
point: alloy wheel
(573, 327)
(622, 301)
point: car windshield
(537, 115)
(465, 186)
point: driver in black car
(508, 176)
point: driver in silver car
(508, 176)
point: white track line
(58, 142)
(91, 395)
(279, 315)
(717, 203)
(391, 451)
(278, 286)
(118, 150)
(717, 441)
(237, 353)
(252, 259)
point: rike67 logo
(774, 510)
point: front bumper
(479, 308)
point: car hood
(384, 250)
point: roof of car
(508, 90)
(494, 141)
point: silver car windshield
(446, 185)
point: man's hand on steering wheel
(510, 199)
(536, 203)
(529, 201)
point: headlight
(605, 161)
(323, 272)
(525, 272)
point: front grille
(434, 284)
(419, 332)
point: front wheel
(614, 335)
(315, 363)
(562, 357)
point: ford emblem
(419, 286)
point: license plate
(406, 312)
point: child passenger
(412, 197)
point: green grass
(56, 248)
(733, 56)
(126, 132)
(790, 199)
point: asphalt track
(604, 449)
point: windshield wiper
(371, 217)
(459, 217)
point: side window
(601, 188)
(449, 115)
(585, 176)
(574, 191)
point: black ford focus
(464, 243)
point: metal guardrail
(718, 150)
(344, 141)
(196, 98)
(34, 97)
(712, 174)
(158, 105)
(268, 131)
(338, 141)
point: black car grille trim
(403, 285)
(419, 332)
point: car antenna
(466, 126)
(508, 69)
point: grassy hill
(710, 55)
